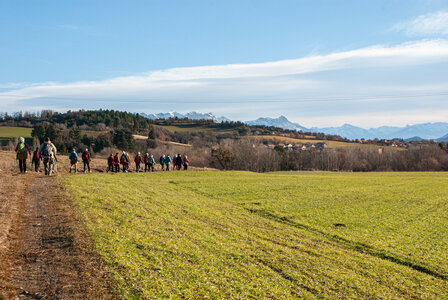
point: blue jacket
(167, 160)
(73, 156)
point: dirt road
(45, 252)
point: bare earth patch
(45, 252)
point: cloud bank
(300, 88)
(432, 24)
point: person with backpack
(22, 151)
(73, 157)
(137, 160)
(167, 162)
(110, 163)
(86, 159)
(117, 163)
(48, 153)
(152, 162)
(174, 162)
(179, 162)
(36, 160)
(124, 160)
(186, 162)
(162, 161)
(146, 161)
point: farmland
(277, 235)
(330, 144)
(196, 128)
(9, 133)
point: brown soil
(45, 251)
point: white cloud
(222, 87)
(425, 25)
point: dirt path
(45, 252)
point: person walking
(186, 162)
(124, 160)
(22, 152)
(36, 160)
(73, 157)
(179, 162)
(117, 163)
(48, 153)
(167, 161)
(152, 162)
(110, 163)
(146, 161)
(174, 161)
(86, 159)
(162, 161)
(137, 160)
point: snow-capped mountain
(280, 122)
(191, 115)
(437, 131)
(423, 131)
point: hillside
(277, 235)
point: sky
(319, 63)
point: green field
(197, 128)
(273, 235)
(9, 133)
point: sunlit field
(275, 235)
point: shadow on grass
(348, 244)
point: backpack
(85, 156)
(21, 148)
(36, 155)
(73, 156)
(46, 150)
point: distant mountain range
(191, 115)
(436, 131)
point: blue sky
(320, 63)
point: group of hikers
(47, 153)
(114, 162)
(73, 157)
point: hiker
(137, 160)
(86, 159)
(162, 161)
(174, 162)
(146, 161)
(22, 150)
(73, 156)
(186, 162)
(179, 162)
(36, 160)
(124, 160)
(167, 161)
(117, 163)
(110, 163)
(48, 153)
(152, 162)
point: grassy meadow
(330, 144)
(274, 235)
(8, 133)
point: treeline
(87, 120)
(246, 155)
